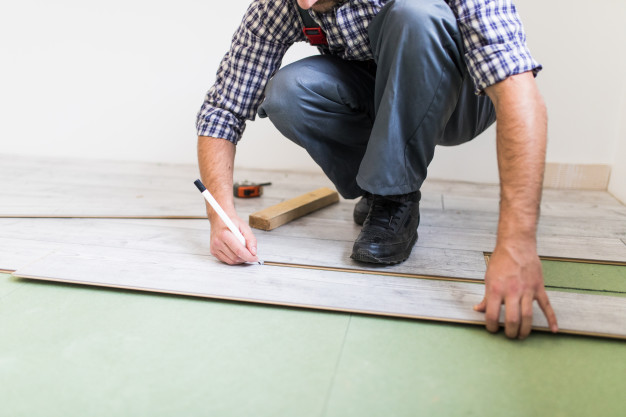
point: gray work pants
(374, 127)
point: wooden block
(279, 214)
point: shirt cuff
(493, 63)
(219, 123)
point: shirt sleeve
(267, 30)
(494, 41)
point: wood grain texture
(282, 213)
(202, 276)
(28, 239)
(117, 189)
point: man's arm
(216, 159)
(514, 275)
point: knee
(422, 18)
(286, 91)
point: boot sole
(389, 260)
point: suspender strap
(311, 29)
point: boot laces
(386, 213)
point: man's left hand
(514, 278)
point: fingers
(518, 313)
(492, 315)
(482, 306)
(512, 317)
(250, 238)
(544, 303)
(527, 316)
(227, 248)
(228, 257)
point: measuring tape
(246, 189)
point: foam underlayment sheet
(106, 353)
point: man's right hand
(216, 158)
(226, 247)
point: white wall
(124, 80)
(617, 183)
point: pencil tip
(200, 186)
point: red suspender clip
(315, 35)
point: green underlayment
(578, 277)
(69, 350)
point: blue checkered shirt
(493, 38)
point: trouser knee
(425, 24)
(283, 98)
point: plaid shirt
(493, 38)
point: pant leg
(423, 95)
(325, 104)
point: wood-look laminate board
(491, 192)
(549, 225)
(168, 236)
(16, 253)
(114, 202)
(202, 276)
(477, 231)
(582, 204)
(439, 251)
(568, 247)
(46, 187)
(580, 197)
(590, 227)
(433, 236)
(33, 170)
(584, 211)
(460, 188)
(343, 211)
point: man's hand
(226, 247)
(216, 159)
(514, 276)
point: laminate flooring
(202, 276)
(153, 236)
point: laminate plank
(439, 251)
(16, 253)
(582, 204)
(583, 227)
(583, 197)
(471, 203)
(549, 225)
(169, 236)
(584, 211)
(202, 276)
(78, 188)
(492, 192)
(344, 209)
(460, 188)
(568, 247)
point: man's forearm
(521, 144)
(216, 160)
(514, 276)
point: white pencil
(220, 212)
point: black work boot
(362, 208)
(390, 229)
